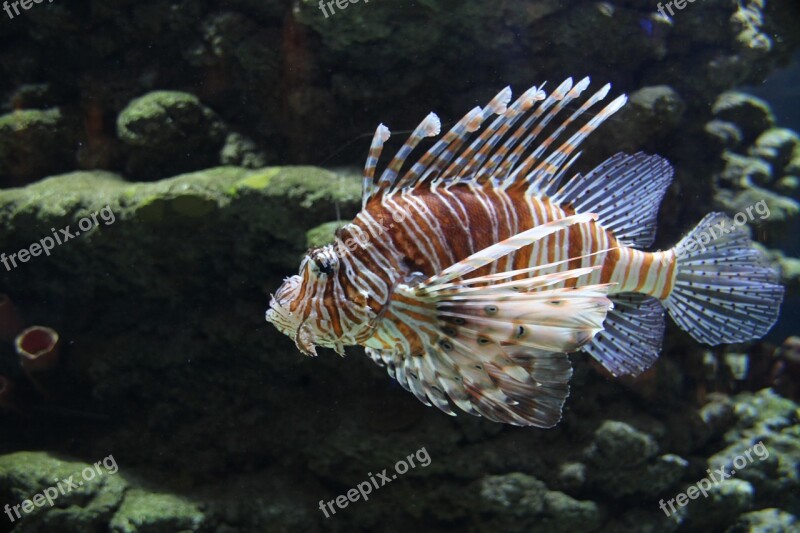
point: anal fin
(631, 339)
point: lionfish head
(308, 309)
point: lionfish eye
(323, 267)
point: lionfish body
(475, 272)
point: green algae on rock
(168, 117)
(34, 143)
(228, 224)
(100, 501)
(162, 311)
(87, 506)
(757, 160)
(142, 511)
(323, 234)
(625, 461)
(518, 503)
(161, 124)
(751, 114)
(766, 521)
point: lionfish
(484, 265)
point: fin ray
(501, 354)
(725, 291)
(633, 331)
(496, 153)
(503, 248)
(625, 191)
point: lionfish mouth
(300, 332)
(282, 320)
(278, 313)
(293, 325)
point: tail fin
(725, 289)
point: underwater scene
(399, 265)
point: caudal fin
(725, 289)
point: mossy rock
(85, 504)
(168, 120)
(35, 143)
(776, 145)
(167, 132)
(751, 114)
(323, 234)
(148, 512)
(239, 226)
(766, 521)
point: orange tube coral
(38, 348)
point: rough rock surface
(169, 132)
(216, 421)
(759, 161)
(283, 74)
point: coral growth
(38, 348)
(217, 424)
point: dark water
(778, 89)
(165, 165)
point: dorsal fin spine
(493, 134)
(523, 137)
(500, 156)
(519, 108)
(428, 127)
(523, 169)
(556, 158)
(498, 105)
(432, 162)
(382, 135)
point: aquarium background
(227, 137)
